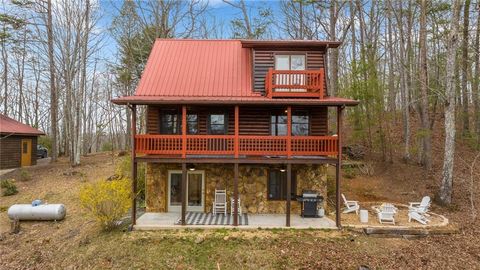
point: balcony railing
(243, 145)
(295, 83)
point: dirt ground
(77, 242)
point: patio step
(408, 232)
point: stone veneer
(252, 185)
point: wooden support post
(237, 131)
(289, 191)
(134, 165)
(235, 194)
(184, 131)
(339, 166)
(289, 131)
(184, 192)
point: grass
(78, 243)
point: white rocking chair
(420, 207)
(350, 206)
(220, 202)
(232, 206)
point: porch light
(282, 169)
(191, 167)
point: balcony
(236, 146)
(295, 83)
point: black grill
(309, 200)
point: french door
(195, 191)
(290, 62)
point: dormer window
(290, 62)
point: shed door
(26, 152)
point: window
(25, 147)
(192, 124)
(277, 185)
(290, 62)
(217, 123)
(171, 123)
(278, 125)
(300, 124)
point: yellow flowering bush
(106, 201)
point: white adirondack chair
(232, 206)
(386, 213)
(350, 206)
(417, 217)
(220, 202)
(420, 207)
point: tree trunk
(476, 79)
(465, 115)
(53, 91)
(445, 194)
(424, 114)
(5, 77)
(333, 65)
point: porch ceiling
(232, 160)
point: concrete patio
(161, 221)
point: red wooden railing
(247, 145)
(295, 83)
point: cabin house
(18, 143)
(246, 116)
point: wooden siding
(265, 59)
(11, 151)
(253, 120)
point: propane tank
(39, 212)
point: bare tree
(476, 78)
(466, 20)
(445, 194)
(423, 78)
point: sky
(217, 9)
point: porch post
(134, 165)
(236, 141)
(289, 191)
(289, 131)
(235, 194)
(339, 165)
(184, 192)
(184, 131)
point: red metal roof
(192, 71)
(197, 68)
(13, 127)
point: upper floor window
(171, 123)
(217, 124)
(300, 124)
(290, 62)
(192, 124)
(278, 124)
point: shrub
(107, 146)
(25, 175)
(106, 201)
(8, 187)
(124, 170)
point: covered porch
(160, 221)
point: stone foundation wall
(252, 185)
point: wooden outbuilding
(18, 143)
